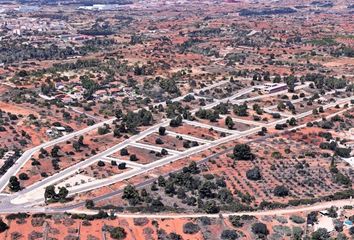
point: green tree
(229, 122)
(228, 234)
(81, 141)
(242, 152)
(133, 158)
(281, 191)
(292, 122)
(14, 184)
(161, 181)
(49, 193)
(162, 131)
(211, 207)
(260, 229)
(124, 152)
(297, 233)
(76, 146)
(63, 193)
(240, 110)
(132, 195)
(118, 233)
(54, 152)
(89, 204)
(320, 234)
(23, 176)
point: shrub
(140, 221)
(133, 158)
(118, 233)
(164, 152)
(122, 166)
(254, 174)
(205, 220)
(162, 131)
(281, 191)
(132, 195)
(101, 163)
(102, 130)
(89, 204)
(211, 207)
(297, 219)
(23, 176)
(124, 152)
(276, 115)
(242, 152)
(343, 152)
(320, 234)
(342, 179)
(311, 218)
(236, 221)
(159, 141)
(229, 234)
(332, 212)
(190, 228)
(282, 230)
(174, 236)
(297, 233)
(260, 229)
(14, 216)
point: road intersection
(33, 195)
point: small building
(60, 129)
(275, 87)
(8, 154)
(50, 133)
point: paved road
(275, 212)
(28, 154)
(31, 196)
(239, 101)
(206, 159)
(225, 100)
(30, 192)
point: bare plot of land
(167, 141)
(199, 132)
(142, 156)
(100, 171)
